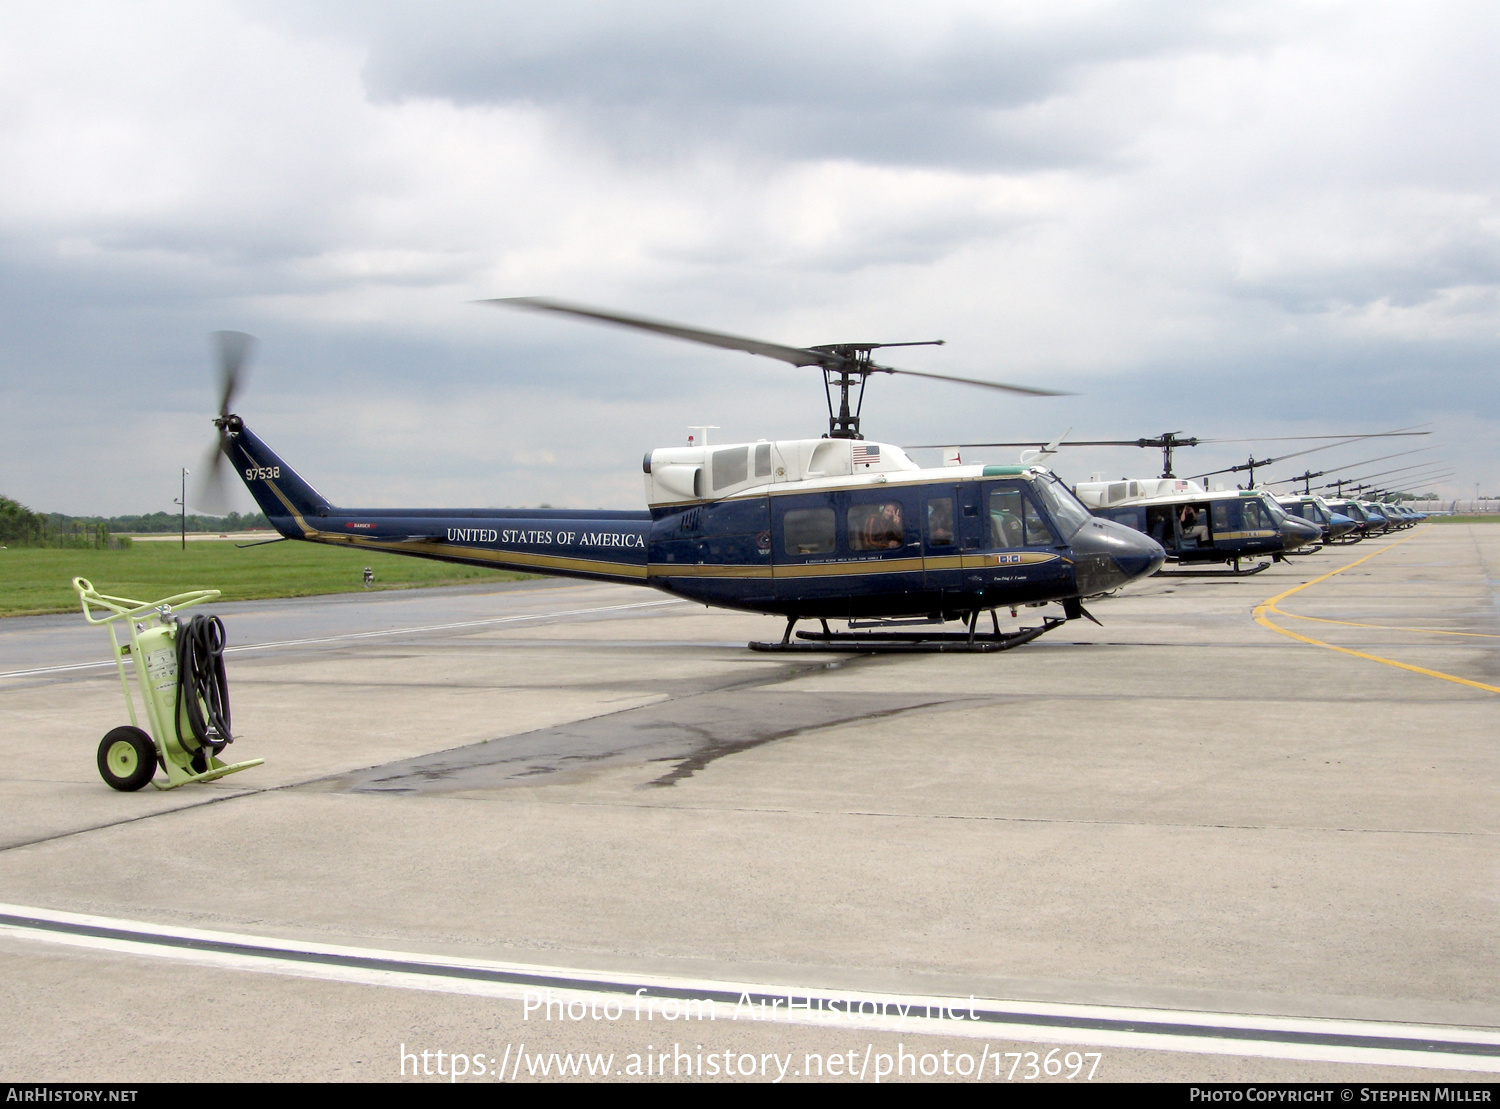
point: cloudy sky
(1233, 219)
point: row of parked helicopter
(1196, 526)
(838, 527)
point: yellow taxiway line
(1269, 606)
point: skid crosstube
(1225, 573)
(910, 642)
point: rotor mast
(849, 367)
(1167, 442)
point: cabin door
(940, 532)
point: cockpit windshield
(1065, 508)
(1277, 512)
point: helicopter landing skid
(1236, 572)
(911, 642)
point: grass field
(39, 580)
(1485, 519)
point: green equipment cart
(179, 667)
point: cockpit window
(1066, 509)
(1015, 521)
(1277, 512)
(1254, 515)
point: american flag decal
(866, 453)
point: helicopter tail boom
(283, 495)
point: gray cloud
(896, 85)
(1224, 218)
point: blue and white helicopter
(833, 528)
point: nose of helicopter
(1338, 525)
(1296, 532)
(1108, 555)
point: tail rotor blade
(234, 352)
(211, 492)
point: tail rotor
(234, 347)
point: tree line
(21, 527)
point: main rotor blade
(1295, 454)
(1400, 431)
(1352, 465)
(1156, 444)
(1427, 465)
(1037, 443)
(797, 356)
(1421, 471)
(1024, 390)
(1429, 479)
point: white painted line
(372, 635)
(1345, 1041)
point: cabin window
(1253, 515)
(876, 527)
(808, 531)
(731, 466)
(1159, 525)
(1221, 516)
(1130, 517)
(940, 522)
(1015, 521)
(763, 460)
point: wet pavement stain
(690, 732)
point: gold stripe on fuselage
(522, 560)
(853, 569)
(596, 567)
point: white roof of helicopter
(709, 473)
(1107, 494)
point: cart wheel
(127, 758)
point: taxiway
(1185, 819)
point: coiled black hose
(202, 687)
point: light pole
(183, 503)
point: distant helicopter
(837, 527)
(1315, 510)
(1198, 526)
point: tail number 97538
(262, 473)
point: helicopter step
(933, 642)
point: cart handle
(125, 607)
